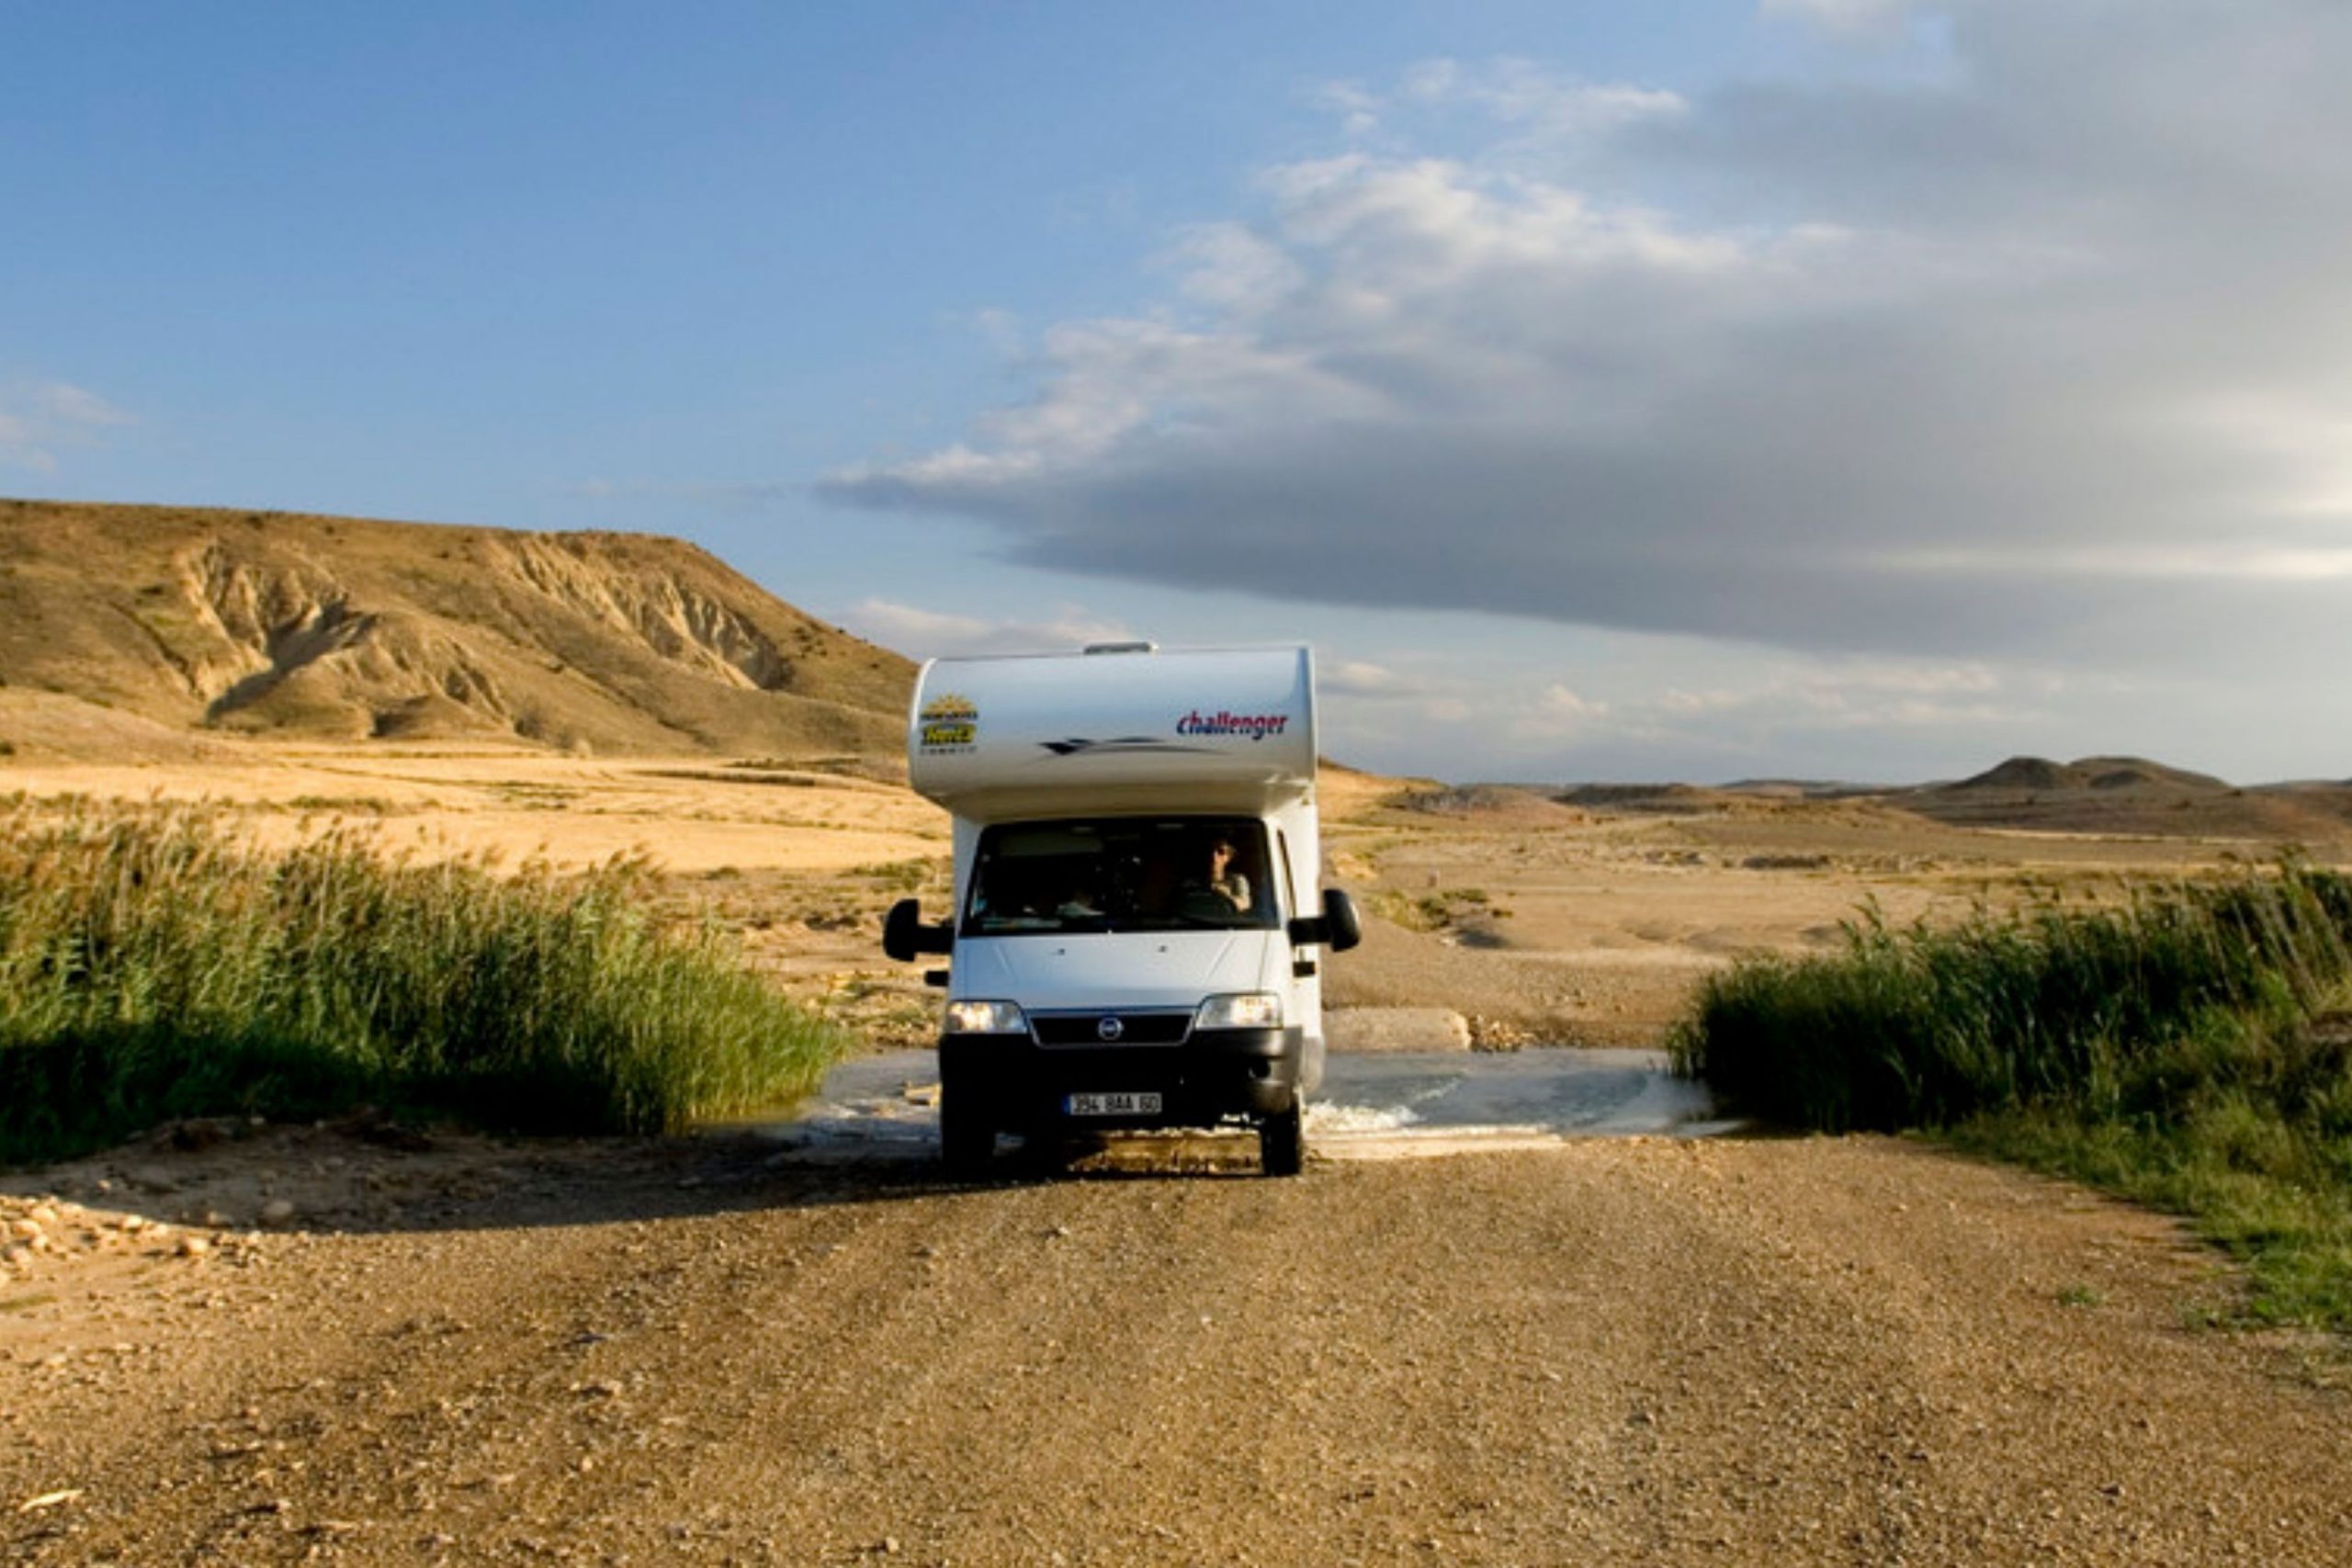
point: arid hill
(2087, 772)
(137, 626)
(1647, 799)
(2128, 794)
(1489, 805)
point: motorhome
(1138, 930)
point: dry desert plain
(325, 1343)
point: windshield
(1141, 874)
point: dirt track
(1834, 1351)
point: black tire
(1282, 1141)
(966, 1133)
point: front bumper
(1214, 1075)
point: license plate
(1120, 1104)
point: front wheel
(966, 1137)
(1282, 1141)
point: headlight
(986, 1018)
(1246, 1009)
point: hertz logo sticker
(949, 722)
(949, 704)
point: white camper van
(1137, 929)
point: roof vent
(1122, 647)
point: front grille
(1134, 1028)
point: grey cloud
(1951, 368)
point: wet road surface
(1384, 1106)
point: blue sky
(1834, 388)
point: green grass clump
(2181, 1050)
(1435, 911)
(150, 966)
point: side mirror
(1336, 928)
(1340, 921)
(906, 938)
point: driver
(1222, 880)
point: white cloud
(1234, 269)
(2037, 359)
(1528, 95)
(38, 418)
(1561, 702)
(1784, 706)
(1376, 682)
(1000, 329)
(1843, 16)
(1622, 716)
(1356, 106)
(934, 634)
(1554, 715)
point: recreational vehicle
(1137, 931)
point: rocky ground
(1855, 1350)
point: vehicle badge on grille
(1109, 1028)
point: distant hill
(2128, 794)
(1648, 799)
(1493, 805)
(179, 622)
(2089, 772)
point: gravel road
(1656, 1351)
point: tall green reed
(153, 966)
(2187, 1049)
(1912, 1026)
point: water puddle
(1398, 1105)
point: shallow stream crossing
(1389, 1105)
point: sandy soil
(693, 815)
(240, 1344)
(1856, 1350)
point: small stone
(194, 1246)
(277, 1211)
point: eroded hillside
(337, 628)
